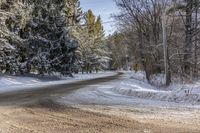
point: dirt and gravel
(49, 117)
(36, 111)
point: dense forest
(50, 36)
(56, 36)
(159, 36)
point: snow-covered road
(132, 90)
(111, 97)
(19, 83)
(133, 98)
(29, 93)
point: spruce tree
(75, 15)
(13, 16)
(96, 55)
(49, 46)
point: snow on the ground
(133, 90)
(136, 86)
(15, 83)
(11, 80)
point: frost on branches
(13, 15)
(38, 43)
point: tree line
(162, 36)
(50, 36)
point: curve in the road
(29, 95)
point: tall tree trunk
(165, 50)
(195, 71)
(188, 38)
(143, 60)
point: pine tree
(100, 45)
(36, 36)
(13, 16)
(74, 15)
(49, 46)
(73, 12)
(98, 58)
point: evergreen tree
(36, 36)
(13, 16)
(97, 53)
(49, 46)
(75, 15)
(73, 12)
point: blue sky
(104, 8)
